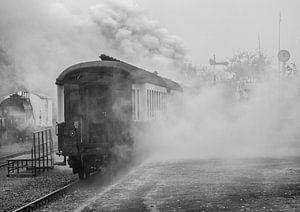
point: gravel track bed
(87, 190)
(18, 191)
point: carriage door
(97, 109)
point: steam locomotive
(21, 113)
(99, 102)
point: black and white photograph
(139, 105)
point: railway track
(3, 161)
(34, 205)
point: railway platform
(237, 184)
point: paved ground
(205, 185)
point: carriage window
(159, 102)
(72, 99)
(138, 105)
(165, 102)
(152, 103)
(135, 104)
(147, 103)
(97, 105)
(156, 103)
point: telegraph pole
(259, 50)
(259, 53)
(279, 21)
(213, 63)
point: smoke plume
(44, 37)
(132, 35)
(8, 79)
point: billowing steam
(208, 124)
(8, 79)
(44, 37)
(131, 34)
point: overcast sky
(224, 27)
(68, 31)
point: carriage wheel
(81, 174)
(85, 170)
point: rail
(45, 199)
(36, 204)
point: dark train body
(98, 104)
(21, 113)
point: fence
(39, 160)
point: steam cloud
(43, 37)
(129, 32)
(8, 79)
(208, 124)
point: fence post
(47, 153)
(42, 149)
(51, 148)
(43, 152)
(34, 154)
(39, 149)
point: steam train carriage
(98, 103)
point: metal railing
(41, 158)
(42, 154)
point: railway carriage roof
(141, 75)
